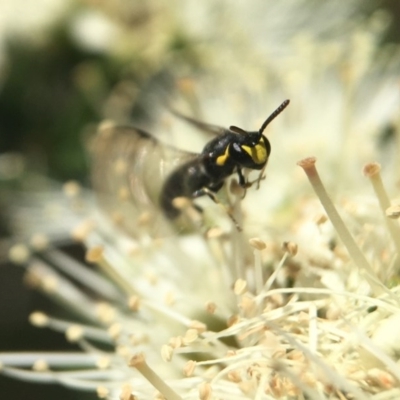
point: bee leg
(214, 198)
(260, 177)
(242, 182)
(198, 208)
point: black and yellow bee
(136, 173)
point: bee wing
(214, 130)
(129, 167)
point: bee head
(252, 149)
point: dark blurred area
(17, 334)
(51, 92)
(42, 111)
(393, 32)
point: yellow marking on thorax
(221, 160)
(258, 153)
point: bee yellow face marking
(221, 160)
(258, 153)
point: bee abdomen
(183, 182)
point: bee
(133, 170)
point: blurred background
(65, 65)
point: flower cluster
(305, 302)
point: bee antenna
(274, 115)
(237, 130)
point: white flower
(293, 312)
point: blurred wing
(129, 167)
(212, 129)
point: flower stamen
(138, 361)
(308, 165)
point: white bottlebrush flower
(302, 304)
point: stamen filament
(368, 300)
(313, 328)
(258, 246)
(138, 361)
(334, 377)
(273, 276)
(53, 359)
(87, 331)
(76, 379)
(85, 276)
(308, 164)
(96, 255)
(372, 171)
